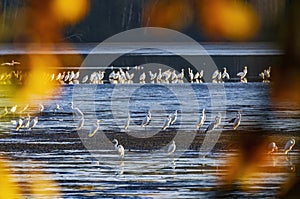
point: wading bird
(243, 74)
(202, 119)
(167, 122)
(80, 123)
(236, 121)
(33, 123)
(146, 120)
(94, 128)
(289, 145)
(127, 122)
(272, 147)
(174, 117)
(119, 148)
(214, 124)
(171, 148)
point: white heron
(181, 75)
(225, 74)
(159, 75)
(80, 123)
(215, 75)
(173, 117)
(236, 121)
(19, 124)
(201, 119)
(214, 124)
(272, 147)
(146, 120)
(13, 109)
(94, 128)
(85, 79)
(127, 122)
(26, 121)
(289, 145)
(191, 75)
(167, 122)
(243, 74)
(143, 77)
(41, 108)
(152, 75)
(129, 76)
(119, 148)
(171, 148)
(33, 123)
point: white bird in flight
(119, 148)
(94, 128)
(202, 119)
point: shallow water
(55, 148)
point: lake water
(55, 149)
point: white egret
(127, 122)
(214, 124)
(119, 148)
(143, 77)
(152, 75)
(19, 124)
(13, 109)
(41, 108)
(191, 75)
(171, 148)
(146, 120)
(243, 74)
(215, 75)
(80, 123)
(236, 121)
(202, 119)
(181, 75)
(129, 76)
(159, 75)
(167, 122)
(26, 121)
(272, 147)
(225, 74)
(33, 123)
(289, 145)
(94, 128)
(85, 79)
(174, 117)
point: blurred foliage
(38, 184)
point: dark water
(54, 146)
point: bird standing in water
(201, 120)
(119, 148)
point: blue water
(55, 148)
